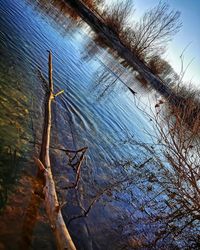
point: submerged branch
(76, 165)
(104, 191)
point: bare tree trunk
(52, 206)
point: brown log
(52, 206)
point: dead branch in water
(110, 188)
(52, 206)
(76, 165)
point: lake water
(96, 110)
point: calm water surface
(96, 110)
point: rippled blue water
(89, 113)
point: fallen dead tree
(52, 206)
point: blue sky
(189, 34)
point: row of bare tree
(148, 36)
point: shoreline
(98, 25)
